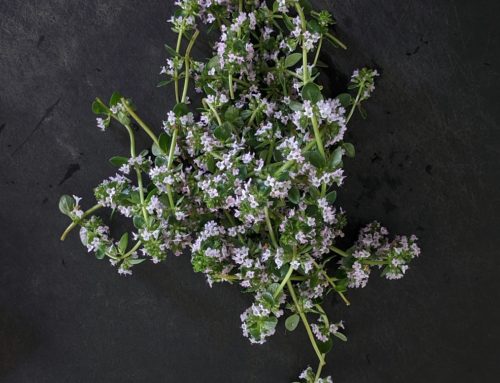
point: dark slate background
(427, 163)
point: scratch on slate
(46, 115)
(72, 169)
(2, 127)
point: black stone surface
(427, 163)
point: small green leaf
(288, 22)
(325, 347)
(232, 114)
(118, 161)
(163, 83)
(341, 286)
(292, 322)
(331, 197)
(312, 92)
(155, 149)
(292, 59)
(181, 109)
(122, 245)
(336, 158)
(223, 132)
(100, 253)
(273, 287)
(136, 261)
(211, 164)
(316, 159)
(341, 336)
(165, 141)
(98, 108)
(314, 192)
(313, 26)
(349, 149)
(138, 221)
(345, 99)
(213, 63)
(246, 114)
(295, 106)
(171, 51)
(115, 99)
(66, 204)
(268, 298)
(294, 196)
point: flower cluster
(247, 180)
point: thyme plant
(246, 180)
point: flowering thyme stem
(270, 228)
(305, 68)
(289, 163)
(327, 323)
(318, 372)
(214, 112)
(305, 323)
(76, 223)
(318, 51)
(176, 71)
(138, 173)
(132, 250)
(187, 64)
(339, 252)
(356, 102)
(374, 263)
(231, 90)
(283, 282)
(140, 122)
(254, 113)
(330, 281)
(336, 41)
(317, 136)
(171, 154)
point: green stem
(317, 136)
(289, 163)
(332, 283)
(336, 40)
(305, 69)
(171, 151)
(283, 282)
(269, 156)
(187, 64)
(320, 368)
(320, 44)
(270, 228)
(76, 223)
(140, 122)
(339, 252)
(356, 101)
(241, 82)
(171, 154)
(327, 323)
(176, 71)
(305, 323)
(231, 90)
(132, 250)
(323, 190)
(254, 114)
(373, 263)
(215, 113)
(138, 172)
(293, 74)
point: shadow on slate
(427, 163)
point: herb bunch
(247, 180)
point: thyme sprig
(247, 180)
